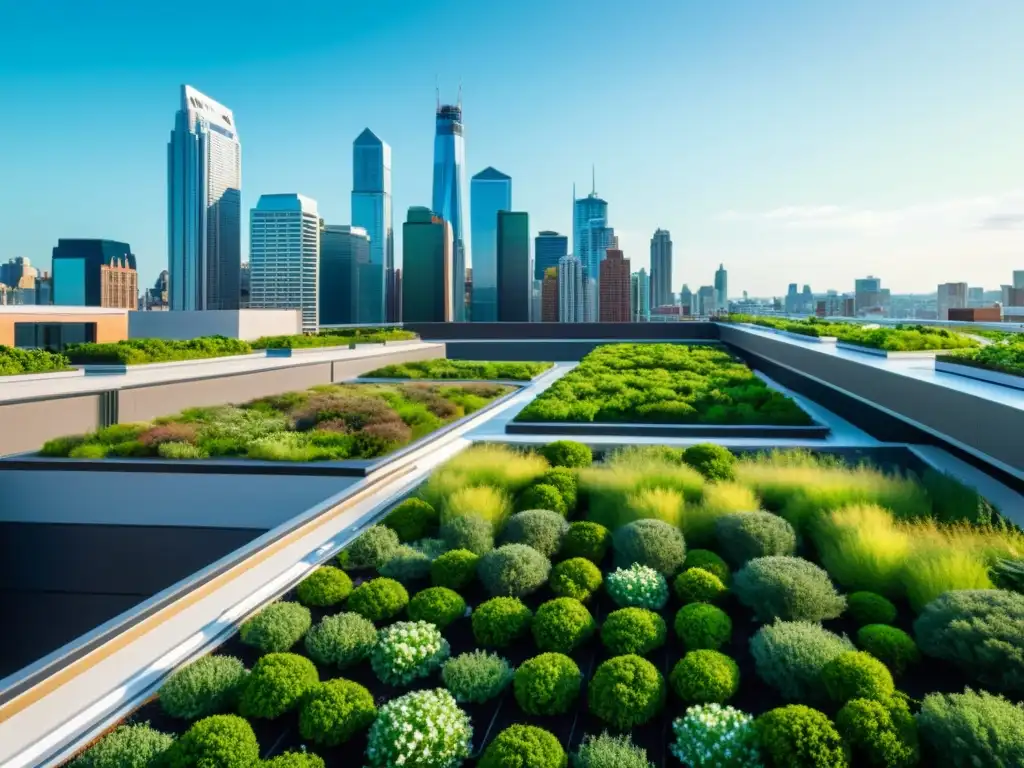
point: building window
(52, 336)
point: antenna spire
(437, 90)
(593, 180)
(460, 95)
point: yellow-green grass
(656, 503)
(719, 499)
(863, 548)
(491, 504)
(498, 466)
(608, 489)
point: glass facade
(78, 271)
(490, 191)
(661, 268)
(69, 282)
(284, 256)
(515, 279)
(721, 288)
(371, 210)
(53, 336)
(427, 245)
(344, 259)
(449, 196)
(548, 250)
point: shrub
(277, 684)
(578, 578)
(127, 746)
(548, 684)
(476, 676)
(378, 599)
(437, 605)
(870, 608)
(701, 626)
(407, 565)
(454, 569)
(562, 625)
(208, 685)
(633, 630)
(637, 586)
(89, 451)
(567, 453)
(881, 733)
(626, 691)
(713, 461)
(606, 751)
(695, 585)
(719, 499)
(713, 736)
(514, 570)
(468, 532)
(935, 568)
(445, 728)
(223, 741)
(652, 543)
(664, 504)
(164, 450)
(483, 501)
(564, 481)
(294, 760)
(743, 536)
(408, 650)
(325, 587)
(968, 730)
(543, 497)
(538, 528)
(523, 745)
(501, 621)
(277, 627)
(374, 547)
(857, 675)
(705, 677)
(335, 711)
(707, 560)
(790, 655)
(341, 640)
(981, 631)
(893, 647)
(788, 588)
(863, 548)
(586, 539)
(412, 519)
(796, 736)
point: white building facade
(284, 254)
(570, 290)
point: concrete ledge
(117, 369)
(584, 429)
(23, 377)
(888, 354)
(299, 351)
(802, 337)
(981, 374)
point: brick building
(613, 302)
(549, 296)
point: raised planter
(23, 377)
(298, 351)
(923, 354)
(802, 337)
(981, 374)
(119, 369)
(591, 429)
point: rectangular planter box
(923, 354)
(585, 429)
(981, 374)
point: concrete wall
(25, 426)
(246, 324)
(607, 331)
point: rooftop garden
(1002, 357)
(143, 351)
(19, 362)
(335, 338)
(663, 384)
(663, 607)
(460, 369)
(896, 338)
(325, 423)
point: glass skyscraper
(344, 250)
(661, 268)
(450, 194)
(514, 277)
(284, 256)
(204, 205)
(721, 289)
(371, 210)
(490, 191)
(591, 238)
(548, 249)
(427, 268)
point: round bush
(408, 650)
(542, 497)
(476, 676)
(969, 730)
(335, 711)
(538, 528)
(857, 675)
(607, 751)
(577, 577)
(277, 685)
(378, 599)
(445, 729)
(277, 627)
(412, 519)
(626, 691)
(703, 626)
(637, 586)
(437, 605)
(325, 587)
(705, 677)
(469, 532)
(708, 561)
(454, 569)
(713, 736)
(562, 625)
(586, 539)
(653, 543)
(742, 536)
(800, 737)
(565, 482)
(128, 746)
(787, 588)
(695, 585)
(548, 684)
(223, 741)
(501, 621)
(519, 746)
(407, 566)
(633, 630)
(790, 655)
(567, 453)
(207, 686)
(891, 646)
(713, 461)
(881, 733)
(374, 547)
(513, 570)
(870, 608)
(294, 760)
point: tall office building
(548, 249)
(686, 300)
(450, 194)
(514, 276)
(950, 296)
(94, 273)
(204, 205)
(614, 283)
(975, 297)
(867, 293)
(640, 297)
(706, 299)
(591, 239)
(284, 256)
(427, 246)
(490, 191)
(549, 296)
(721, 289)
(661, 268)
(371, 211)
(570, 290)
(345, 298)
(1018, 278)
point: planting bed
(720, 635)
(460, 369)
(1004, 357)
(334, 338)
(897, 338)
(143, 351)
(18, 362)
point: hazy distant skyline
(798, 141)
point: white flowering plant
(637, 586)
(422, 729)
(716, 736)
(408, 650)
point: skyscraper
(570, 290)
(640, 297)
(661, 268)
(686, 300)
(490, 191)
(867, 293)
(549, 296)
(721, 289)
(706, 299)
(427, 246)
(371, 211)
(514, 276)
(591, 238)
(449, 194)
(548, 249)
(204, 205)
(284, 256)
(343, 251)
(18, 273)
(614, 285)
(94, 273)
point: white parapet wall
(245, 324)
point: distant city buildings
(867, 294)
(640, 296)
(951, 296)
(490, 191)
(155, 298)
(514, 275)
(570, 290)
(548, 250)
(549, 296)
(372, 212)
(95, 273)
(450, 194)
(705, 300)
(661, 268)
(686, 300)
(347, 281)
(18, 273)
(427, 245)
(614, 282)
(722, 289)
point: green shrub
(893, 647)
(408, 650)
(61, 447)
(437, 605)
(294, 760)
(378, 599)
(719, 499)
(548, 684)
(127, 746)
(564, 481)
(447, 733)
(542, 497)
(513, 570)
(538, 528)
(523, 745)
(713, 461)
(374, 547)
(471, 533)
(207, 686)
(701, 626)
(870, 608)
(577, 578)
(455, 569)
(790, 655)
(705, 677)
(695, 585)
(969, 730)
(633, 630)
(408, 565)
(165, 451)
(325, 587)
(857, 675)
(562, 625)
(788, 588)
(335, 711)
(341, 640)
(586, 539)
(708, 561)
(476, 676)
(218, 741)
(277, 627)
(276, 685)
(796, 736)
(626, 691)
(652, 543)
(607, 751)
(637, 586)
(89, 451)
(743, 536)
(501, 621)
(713, 736)
(567, 453)
(412, 519)
(880, 733)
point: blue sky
(795, 140)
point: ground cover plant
(143, 351)
(460, 369)
(334, 338)
(1003, 357)
(16, 362)
(895, 338)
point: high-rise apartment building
(344, 297)
(94, 273)
(490, 191)
(570, 290)
(950, 296)
(640, 297)
(284, 256)
(514, 275)
(204, 205)
(427, 246)
(450, 194)
(372, 212)
(661, 268)
(614, 284)
(548, 249)
(549, 296)
(721, 289)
